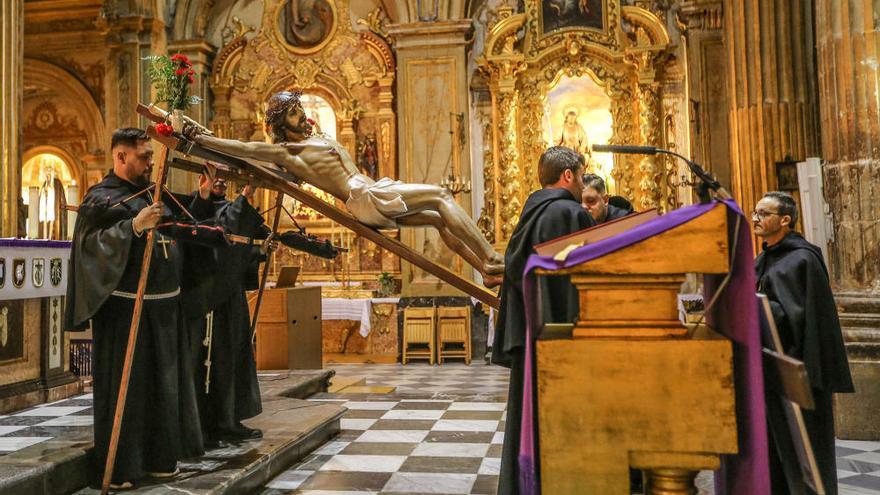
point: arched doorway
(49, 180)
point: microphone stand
(708, 182)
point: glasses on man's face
(761, 215)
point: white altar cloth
(341, 308)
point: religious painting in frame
(571, 15)
(303, 27)
(794, 418)
(12, 340)
(786, 176)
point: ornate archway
(60, 112)
(625, 49)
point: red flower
(181, 59)
(164, 129)
(191, 79)
(181, 71)
(310, 121)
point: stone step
(292, 428)
(338, 383)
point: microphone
(707, 181)
(625, 148)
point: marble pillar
(11, 82)
(847, 47)
(431, 98)
(772, 96)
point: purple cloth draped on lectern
(735, 315)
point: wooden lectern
(630, 388)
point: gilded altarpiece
(352, 72)
(627, 51)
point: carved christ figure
(385, 203)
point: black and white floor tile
(440, 432)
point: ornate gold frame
(540, 25)
(522, 69)
(272, 20)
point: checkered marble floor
(440, 432)
(454, 379)
(70, 418)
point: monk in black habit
(214, 296)
(551, 212)
(792, 273)
(160, 424)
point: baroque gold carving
(375, 22)
(486, 222)
(522, 67)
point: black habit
(793, 275)
(233, 393)
(614, 213)
(160, 424)
(547, 214)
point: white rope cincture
(208, 342)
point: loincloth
(375, 204)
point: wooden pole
(133, 332)
(278, 207)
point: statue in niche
(306, 23)
(567, 14)
(386, 203)
(573, 134)
(368, 161)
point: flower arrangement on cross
(172, 77)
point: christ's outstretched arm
(254, 149)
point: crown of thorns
(280, 103)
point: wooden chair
(418, 329)
(454, 327)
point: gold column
(386, 138)
(847, 46)
(507, 190)
(650, 166)
(11, 81)
(772, 95)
